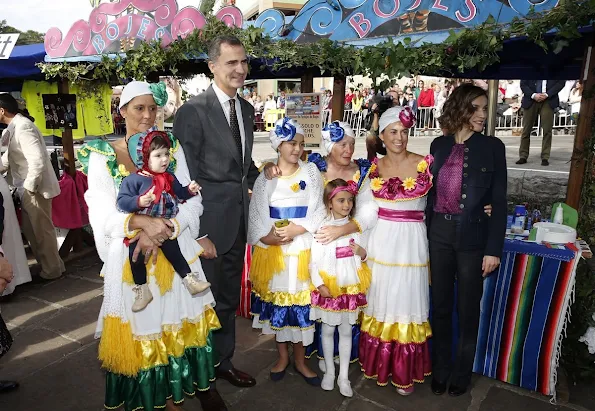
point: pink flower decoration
(407, 117)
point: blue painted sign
(343, 20)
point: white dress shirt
(543, 89)
(224, 101)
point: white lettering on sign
(7, 43)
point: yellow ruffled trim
(163, 272)
(268, 262)
(359, 226)
(120, 353)
(129, 234)
(365, 277)
(177, 230)
(396, 332)
(291, 175)
(374, 260)
(285, 299)
(384, 384)
(196, 257)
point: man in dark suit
(6, 277)
(216, 130)
(540, 97)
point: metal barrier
(512, 124)
(356, 120)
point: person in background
(425, 100)
(6, 276)
(349, 99)
(357, 102)
(465, 244)
(31, 172)
(327, 100)
(540, 98)
(401, 99)
(575, 98)
(410, 87)
(439, 100)
(281, 101)
(512, 91)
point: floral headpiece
(404, 115)
(142, 88)
(334, 132)
(285, 130)
(351, 187)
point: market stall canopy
(21, 66)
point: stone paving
(55, 359)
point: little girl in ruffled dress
(284, 213)
(339, 272)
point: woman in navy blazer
(465, 243)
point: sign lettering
(7, 43)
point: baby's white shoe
(345, 387)
(142, 297)
(194, 285)
(328, 382)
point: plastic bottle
(559, 216)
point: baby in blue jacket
(154, 191)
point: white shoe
(328, 382)
(345, 387)
(194, 285)
(142, 297)
(405, 392)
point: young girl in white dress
(342, 278)
(284, 213)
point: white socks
(328, 346)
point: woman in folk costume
(155, 357)
(342, 278)
(284, 213)
(395, 328)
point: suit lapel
(248, 119)
(220, 124)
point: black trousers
(447, 264)
(171, 251)
(225, 275)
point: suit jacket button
(465, 174)
(465, 165)
(240, 201)
(464, 196)
(483, 169)
(461, 206)
(466, 150)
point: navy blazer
(484, 182)
(552, 87)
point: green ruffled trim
(150, 389)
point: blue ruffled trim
(318, 160)
(316, 346)
(295, 316)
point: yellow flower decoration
(356, 176)
(409, 183)
(122, 170)
(422, 166)
(376, 183)
(295, 187)
(373, 168)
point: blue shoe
(277, 376)
(313, 381)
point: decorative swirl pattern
(231, 16)
(186, 21)
(79, 36)
(524, 6)
(325, 20)
(164, 12)
(271, 21)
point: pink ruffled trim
(404, 364)
(393, 189)
(343, 302)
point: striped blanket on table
(523, 314)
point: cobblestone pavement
(55, 359)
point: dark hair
(458, 108)
(9, 103)
(160, 140)
(330, 186)
(215, 45)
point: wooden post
(492, 107)
(338, 102)
(307, 83)
(583, 128)
(67, 142)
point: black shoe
(236, 377)
(455, 391)
(278, 376)
(545, 163)
(211, 401)
(438, 387)
(7, 386)
(522, 161)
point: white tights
(328, 348)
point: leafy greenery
(26, 37)
(475, 48)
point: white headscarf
(134, 89)
(285, 130)
(335, 132)
(396, 114)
